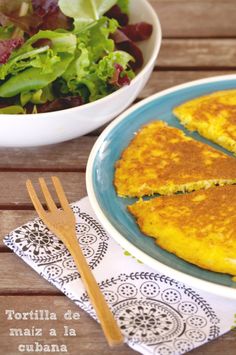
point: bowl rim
(156, 48)
(204, 285)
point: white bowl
(54, 127)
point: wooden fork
(62, 223)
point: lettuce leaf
(106, 66)
(40, 96)
(91, 72)
(13, 109)
(33, 78)
(97, 39)
(6, 32)
(61, 41)
(85, 11)
(123, 5)
(44, 58)
(37, 67)
(93, 44)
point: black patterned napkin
(157, 314)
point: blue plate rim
(207, 286)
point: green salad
(60, 54)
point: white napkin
(158, 315)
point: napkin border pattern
(198, 301)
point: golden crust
(161, 159)
(213, 116)
(199, 227)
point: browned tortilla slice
(213, 116)
(162, 159)
(199, 227)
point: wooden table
(199, 41)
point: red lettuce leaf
(51, 15)
(56, 20)
(138, 32)
(123, 43)
(46, 16)
(10, 14)
(44, 7)
(4, 19)
(61, 103)
(7, 101)
(116, 13)
(119, 78)
(7, 46)
(28, 23)
(10, 6)
(42, 42)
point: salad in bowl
(67, 67)
(60, 54)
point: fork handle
(108, 323)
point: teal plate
(111, 210)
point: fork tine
(47, 195)
(34, 198)
(60, 193)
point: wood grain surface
(14, 194)
(196, 18)
(197, 53)
(199, 41)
